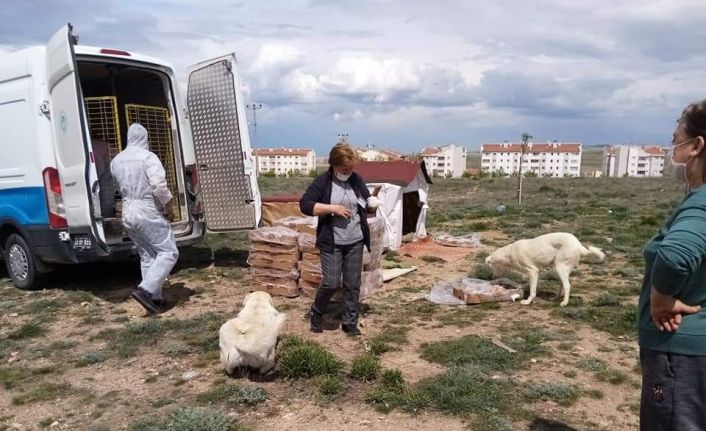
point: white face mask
(680, 168)
(342, 177)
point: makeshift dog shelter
(403, 188)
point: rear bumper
(50, 249)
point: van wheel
(21, 263)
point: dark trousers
(341, 267)
(673, 391)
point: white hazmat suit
(141, 179)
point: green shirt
(675, 265)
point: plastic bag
(442, 292)
(370, 281)
(307, 243)
(472, 240)
(300, 224)
(269, 273)
(275, 235)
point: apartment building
(446, 160)
(284, 161)
(371, 154)
(551, 159)
(633, 161)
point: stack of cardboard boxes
(276, 270)
(274, 253)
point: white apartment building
(371, 154)
(551, 159)
(633, 161)
(282, 161)
(446, 160)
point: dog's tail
(595, 252)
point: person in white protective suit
(141, 179)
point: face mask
(680, 168)
(342, 177)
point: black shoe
(316, 320)
(161, 303)
(351, 330)
(145, 300)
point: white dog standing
(249, 340)
(561, 249)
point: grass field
(81, 355)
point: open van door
(222, 146)
(68, 123)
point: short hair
(342, 155)
(694, 119)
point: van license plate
(82, 242)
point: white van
(60, 102)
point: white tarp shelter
(403, 192)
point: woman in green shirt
(671, 325)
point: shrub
(329, 384)
(233, 394)
(611, 376)
(465, 390)
(469, 350)
(392, 379)
(90, 358)
(482, 271)
(27, 330)
(365, 368)
(303, 359)
(592, 364)
(561, 393)
(188, 419)
(606, 299)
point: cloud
(561, 68)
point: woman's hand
(666, 311)
(341, 211)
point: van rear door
(222, 146)
(68, 122)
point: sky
(407, 74)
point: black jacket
(320, 192)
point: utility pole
(255, 107)
(525, 137)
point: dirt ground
(113, 393)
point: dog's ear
(247, 298)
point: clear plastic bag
(370, 281)
(473, 290)
(472, 240)
(269, 273)
(275, 235)
(307, 243)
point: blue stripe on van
(25, 205)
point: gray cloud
(564, 68)
(546, 94)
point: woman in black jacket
(341, 200)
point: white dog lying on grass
(249, 340)
(528, 256)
